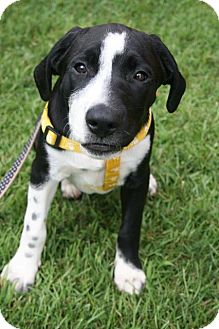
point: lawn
(179, 245)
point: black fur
(133, 99)
(144, 53)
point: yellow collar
(112, 166)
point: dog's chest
(87, 173)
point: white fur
(127, 277)
(98, 89)
(152, 186)
(69, 190)
(22, 268)
(79, 173)
(86, 173)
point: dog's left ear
(170, 75)
(52, 64)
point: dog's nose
(101, 121)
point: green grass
(179, 245)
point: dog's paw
(128, 278)
(69, 191)
(20, 272)
(152, 186)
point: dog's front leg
(128, 274)
(22, 268)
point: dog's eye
(140, 76)
(80, 68)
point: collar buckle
(52, 137)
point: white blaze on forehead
(98, 89)
(113, 45)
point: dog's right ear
(51, 64)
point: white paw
(127, 277)
(152, 185)
(21, 272)
(69, 191)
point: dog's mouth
(101, 148)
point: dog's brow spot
(34, 216)
(28, 228)
(31, 245)
(28, 255)
(34, 238)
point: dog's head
(108, 78)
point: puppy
(97, 134)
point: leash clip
(49, 135)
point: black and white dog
(108, 76)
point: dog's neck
(54, 138)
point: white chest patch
(97, 90)
(86, 173)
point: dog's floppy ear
(51, 64)
(171, 74)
